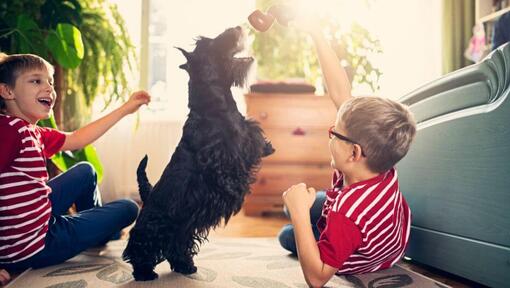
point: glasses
(332, 133)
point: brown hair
(11, 66)
(384, 128)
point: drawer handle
(262, 181)
(263, 115)
(298, 132)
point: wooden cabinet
(296, 125)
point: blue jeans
(93, 225)
(286, 235)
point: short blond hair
(384, 128)
(11, 66)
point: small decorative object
(476, 49)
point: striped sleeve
(339, 240)
(9, 146)
(52, 140)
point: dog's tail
(144, 187)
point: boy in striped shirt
(362, 223)
(34, 228)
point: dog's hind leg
(143, 251)
(183, 265)
(144, 272)
(142, 258)
(181, 258)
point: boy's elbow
(317, 280)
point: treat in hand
(263, 21)
(283, 13)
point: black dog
(211, 169)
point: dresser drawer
(298, 145)
(275, 179)
(259, 205)
(284, 110)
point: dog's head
(212, 62)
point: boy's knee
(132, 209)
(87, 171)
(286, 237)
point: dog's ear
(184, 66)
(185, 53)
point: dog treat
(263, 21)
(283, 13)
(260, 21)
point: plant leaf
(93, 158)
(29, 37)
(66, 45)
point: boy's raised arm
(337, 83)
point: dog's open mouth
(245, 59)
(239, 53)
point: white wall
(410, 33)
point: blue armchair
(456, 177)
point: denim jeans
(286, 235)
(93, 225)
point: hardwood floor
(269, 226)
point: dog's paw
(268, 149)
(145, 276)
(186, 270)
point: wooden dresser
(296, 125)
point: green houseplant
(86, 42)
(282, 55)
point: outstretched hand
(306, 21)
(4, 277)
(136, 100)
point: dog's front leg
(268, 149)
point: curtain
(458, 22)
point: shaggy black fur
(211, 169)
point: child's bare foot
(4, 277)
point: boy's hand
(4, 277)
(299, 199)
(306, 21)
(136, 100)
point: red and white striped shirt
(365, 226)
(25, 208)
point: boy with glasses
(362, 223)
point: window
(171, 25)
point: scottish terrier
(209, 173)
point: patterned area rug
(223, 262)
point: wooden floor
(269, 226)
